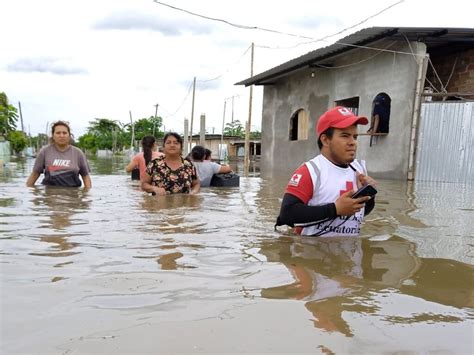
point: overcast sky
(78, 60)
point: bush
(18, 141)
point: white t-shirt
(205, 169)
(325, 182)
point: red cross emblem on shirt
(349, 187)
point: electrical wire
(245, 27)
(182, 103)
(231, 65)
(414, 58)
(356, 63)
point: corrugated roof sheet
(431, 36)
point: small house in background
(225, 147)
(425, 77)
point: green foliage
(146, 127)
(106, 133)
(255, 135)
(234, 129)
(39, 141)
(88, 142)
(8, 115)
(18, 141)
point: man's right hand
(347, 206)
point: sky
(81, 60)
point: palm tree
(8, 115)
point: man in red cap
(318, 198)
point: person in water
(61, 162)
(171, 174)
(318, 196)
(141, 160)
(206, 168)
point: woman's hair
(207, 154)
(60, 123)
(147, 144)
(176, 135)
(198, 153)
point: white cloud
(60, 66)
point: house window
(299, 126)
(380, 117)
(351, 103)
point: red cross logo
(349, 187)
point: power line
(313, 40)
(245, 27)
(230, 65)
(182, 103)
(379, 51)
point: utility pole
(222, 135)
(233, 108)
(133, 131)
(202, 130)
(156, 113)
(21, 116)
(186, 150)
(192, 116)
(249, 122)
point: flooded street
(116, 271)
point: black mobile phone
(367, 190)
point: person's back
(206, 168)
(141, 160)
(138, 161)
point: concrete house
(415, 67)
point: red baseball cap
(338, 117)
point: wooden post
(422, 66)
(222, 134)
(156, 113)
(202, 131)
(133, 132)
(21, 116)
(192, 116)
(249, 122)
(185, 143)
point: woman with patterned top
(171, 174)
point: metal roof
(433, 37)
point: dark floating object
(136, 174)
(225, 180)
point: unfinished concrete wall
(454, 70)
(361, 73)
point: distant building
(225, 147)
(427, 70)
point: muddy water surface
(115, 271)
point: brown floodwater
(116, 271)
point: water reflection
(212, 268)
(339, 275)
(57, 208)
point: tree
(106, 134)
(234, 129)
(145, 127)
(39, 141)
(18, 141)
(255, 135)
(88, 142)
(8, 115)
